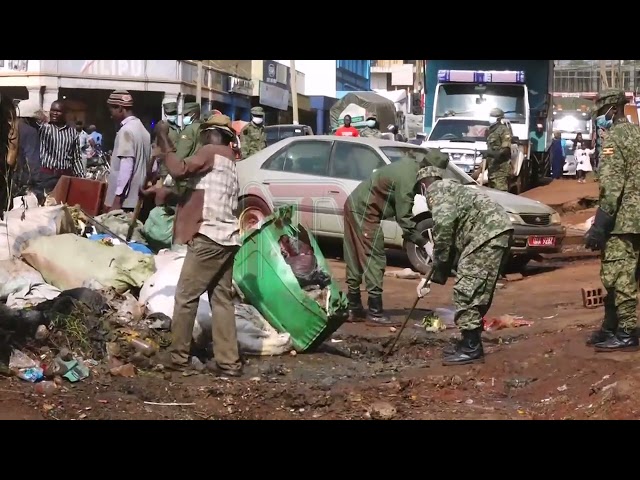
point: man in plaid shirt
(207, 224)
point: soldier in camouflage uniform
(388, 193)
(466, 222)
(252, 137)
(616, 228)
(498, 152)
(189, 139)
(372, 129)
(171, 112)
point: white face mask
(493, 120)
(371, 123)
(188, 120)
(257, 120)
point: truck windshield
(465, 99)
(452, 172)
(460, 130)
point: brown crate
(593, 297)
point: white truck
(463, 139)
(471, 94)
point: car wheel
(417, 255)
(252, 210)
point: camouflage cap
(191, 107)
(219, 122)
(609, 97)
(435, 158)
(430, 172)
(170, 108)
(496, 112)
(259, 111)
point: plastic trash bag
(158, 229)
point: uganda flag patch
(607, 151)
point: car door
(297, 174)
(351, 163)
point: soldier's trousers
(619, 264)
(363, 253)
(498, 173)
(476, 279)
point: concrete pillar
(50, 95)
(205, 108)
(29, 106)
(320, 122)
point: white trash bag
(255, 335)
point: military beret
(429, 172)
(610, 97)
(496, 112)
(435, 158)
(257, 111)
(219, 122)
(170, 108)
(190, 107)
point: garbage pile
(77, 298)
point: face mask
(371, 123)
(603, 122)
(187, 120)
(257, 120)
(172, 118)
(493, 120)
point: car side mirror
(515, 140)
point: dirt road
(540, 371)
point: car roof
(359, 140)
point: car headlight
(513, 218)
(555, 219)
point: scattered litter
(550, 317)
(46, 387)
(76, 371)
(505, 321)
(468, 401)
(127, 370)
(20, 360)
(595, 388)
(335, 340)
(381, 411)
(173, 404)
(562, 388)
(31, 374)
(406, 274)
(439, 320)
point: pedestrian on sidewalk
(207, 224)
(583, 162)
(556, 152)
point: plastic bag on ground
(69, 261)
(255, 335)
(32, 295)
(118, 222)
(15, 275)
(158, 229)
(15, 230)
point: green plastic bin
(268, 283)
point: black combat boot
(468, 350)
(356, 309)
(376, 316)
(623, 341)
(599, 336)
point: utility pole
(199, 84)
(294, 90)
(604, 82)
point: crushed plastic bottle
(19, 360)
(46, 387)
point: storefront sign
(273, 96)
(14, 65)
(275, 73)
(241, 86)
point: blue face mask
(172, 119)
(187, 121)
(603, 122)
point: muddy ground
(542, 371)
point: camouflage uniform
(189, 140)
(253, 138)
(388, 193)
(499, 153)
(617, 227)
(371, 132)
(467, 222)
(170, 108)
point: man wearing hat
(252, 137)
(616, 228)
(171, 112)
(206, 222)
(188, 139)
(498, 152)
(372, 129)
(466, 222)
(388, 193)
(131, 154)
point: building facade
(572, 76)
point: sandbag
(69, 261)
(255, 335)
(158, 229)
(118, 222)
(15, 275)
(32, 295)
(15, 230)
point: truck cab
(473, 93)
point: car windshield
(473, 100)
(572, 122)
(460, 130)
(452, 172)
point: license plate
(542, 241)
